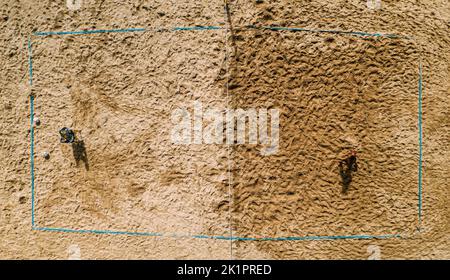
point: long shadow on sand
(346, 169)
(79, 153)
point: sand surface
(335, 92)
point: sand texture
(128, 192)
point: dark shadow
(346, 169)
(79, 153)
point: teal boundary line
(67, 230)
(420, 147)
(197, 28)
(30, 70)
(304, 238)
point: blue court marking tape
(305, 238)
(83, 32)
(66, 230)
(199, 28)
(356, 33)
(420, 147)
(30, 70)
(30, 61)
